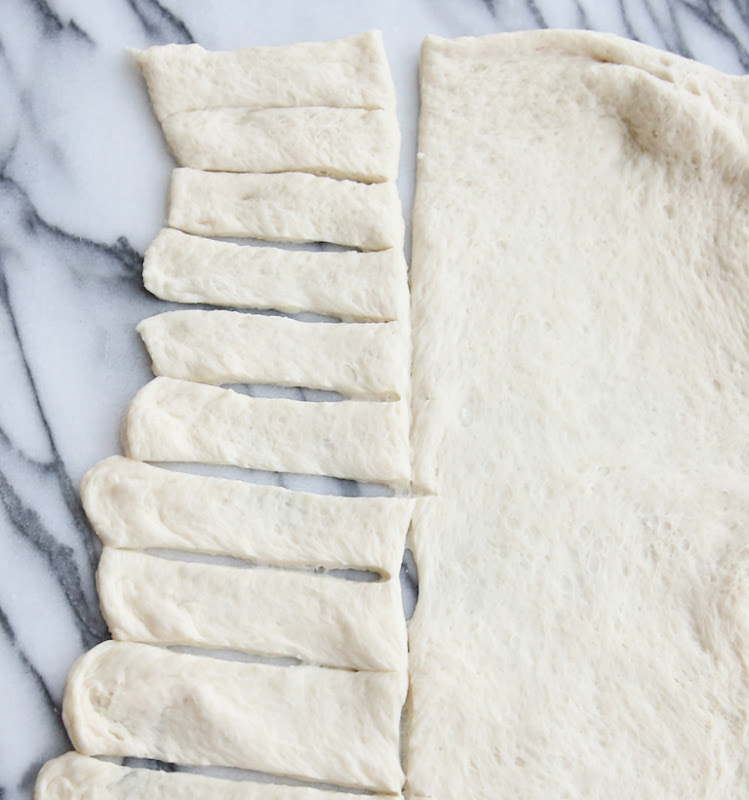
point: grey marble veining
(83, 177)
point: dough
(173, 420)
(287, 207)
(332, 725)
(135, 505)
(337, 142)
(583, 567)
(76, 777)
(369, 287)
(318, 619)
(345, 73)
(359, 360)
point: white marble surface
(83, 174)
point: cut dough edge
(286, 207)
(334, 726)
(135, 505)
(345, 73)
(342, 143)
(363, 360)
(174, 420)
(318, 619)
(75, 777)
(369, 287)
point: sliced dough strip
(287, 207)
(357, 286)
(348, 143)
(337, 726)
(76, 777)
(135, 505)
(316, 618)
(359, 360)
(346, 73)
(173, 420)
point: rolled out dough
(286, 207)
(174, 420)
(582, 218)
(348, 143)
(348, 73)
(332, 725)
(370, 287)
(76, 777)
(138, 506)
(318, 619)
(366, 360)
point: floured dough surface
(133, 505)
(319, 619)
(175, 420)
(357, 286)
(351, 143)
(76, 777)
(331, 725)
(359, 360)
(581, 218)
(346, 73)
(287, 207)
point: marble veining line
(52, 24)
(711, 16)
(56, 464)
(49, 700)
(676, 42)
(159, 22)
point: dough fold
(582, 218)
(174, 420)
(359, 360)
(345, 73)
(328, 725)
(348, 143)
(138, 506)
(318, 619)
(286, 207)
(368, 287)
(76, 777)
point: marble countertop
(83, 177)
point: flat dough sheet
(134, 505)
(581, 219)
(174, 420)
(76, 777)
(286, 207)
(318, 619)
(328, 725)
(369, 287)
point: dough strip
(370, 361)
(173, 420)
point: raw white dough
(287, 207)
(332, 725)
(135, 505)
(369, 287)
(173, 420)
(319, 619)
(348, 143)
(76, 777)
(583, 569)
(359, 360)
(347, 73)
